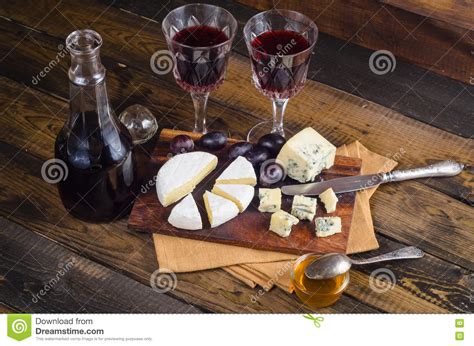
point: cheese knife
(447, 168)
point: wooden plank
(132, 254)
(458, 13)
(444, 286)
(425, 96)
(39, 275)
(443, 45)
(5, 309)
(443, 228)
(326, 109)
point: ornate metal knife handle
(403, 253)
(447, 168)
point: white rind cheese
(281, 223)
(240, 194)
(326, 226)
(329, 199)
(185, 214)
(180, 175)
(270, 200)
(240, 171)
(304, 208)
(306, 154)
(219, 209)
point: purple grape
(181, 144)
(213, 140)
(239, 149)
(273, 142)
(271, 174)
(257, 155)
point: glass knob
(140, 122)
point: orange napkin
(267, 268)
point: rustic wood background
(421, 111)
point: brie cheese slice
(329, 199)
(219, 209)
(180, 175)
(240, 194)
(185, 214)
(240, 171)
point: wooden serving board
(250, 228)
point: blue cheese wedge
(306, 154)
(329, 199)
(180, 175)
(219, 209)
(240, 171)
(185, 214)
(270, 200)
(326, 226)
(281, 223)
(304, 208)
(240, 194)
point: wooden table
(112, 266)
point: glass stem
(279, 106)
(200, 108)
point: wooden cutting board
(250, 228)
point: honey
(316, 293)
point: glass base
(211, 125)
(264, 128)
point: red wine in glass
(279, 69)
(200, 61)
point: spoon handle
(403, 253)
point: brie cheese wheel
(185, 214)
(270, 200)
(219, 209)
(306, 154)
(329, 199)
(240, 194)
(326, 226)
(304, 208)
(281, 223)
(180, 175)
(240, 171)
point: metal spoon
(334, 264)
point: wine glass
(199, 37)
(280, 44)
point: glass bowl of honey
(316, 293)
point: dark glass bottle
(96, 147)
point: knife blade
(339, 185)
(448, 168)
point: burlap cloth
(266, 268)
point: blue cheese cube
(304, 208)
(270, 200)
(326, 226)
(329, 199)
(306, 154)
(282, 222)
